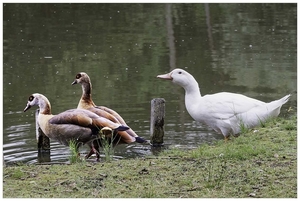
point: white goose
(224, 112)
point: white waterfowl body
(87, 103)
(224, 112)
(79, 125)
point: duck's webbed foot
(227, 138)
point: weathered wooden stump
(157, 122)
(43, 141)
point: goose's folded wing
(73, 116)
(113, 113)
(118, 117)
(85, 118)
(103, 113)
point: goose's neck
(86, 97)
(45, 107)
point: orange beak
(165, 76)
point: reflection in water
(209, 27)
(44, 156)
(170, 36)
(249, 49)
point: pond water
(243, 48)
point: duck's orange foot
(226, 138)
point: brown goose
(87, 103)
(80, 125)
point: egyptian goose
(224, 112)
(80, 125)
(87, 103)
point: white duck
(224, 112)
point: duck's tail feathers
(275, 106)
(285, 99)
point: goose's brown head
(39, 100)
(81, 78)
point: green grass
(107, 143)
(261, 163)
(74, 154)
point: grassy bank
(258, 163)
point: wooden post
(43, 141)
(157, 122)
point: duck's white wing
(226, 105)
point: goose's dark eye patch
(78, 76)
(31, 98)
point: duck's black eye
(78, 76)
(31, 98)
(179, 72)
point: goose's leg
(98, 155)
(96, 149)
(77, 150)
(93, 150)
(89, 154)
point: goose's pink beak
(165, 76)
(27, 107)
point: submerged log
(157, 122)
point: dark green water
(243, 48)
